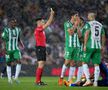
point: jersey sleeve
(4, 34)
(20, 33)
(87, 26)
(82, 31)
(67, 26)
(64, 26)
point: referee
(41, 45)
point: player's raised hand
(84, 48)
(50, 19)
(52, 11)
(71, 32)
(77, 21)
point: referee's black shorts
(41, 53)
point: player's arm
(71, 31)
(79, 32)
(4, 46)
(67, 27)
(20, 41)
(49, 20)
(80, 29)
(103, 44)
(103, 40)
(4, 38)
(4, 34)
(75, 27)
(77, 24)
(86, 39)
(103, 37)
(86, 36)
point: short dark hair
(40, 17)
(12, 19)
(92, 11)
(73, 13)
(83, 19)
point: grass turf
(27, 83)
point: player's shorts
(72, 53)
(41, 53)
(12, 56)
(92, 54)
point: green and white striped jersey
(70, 40)
(11, 36)
(96, 32)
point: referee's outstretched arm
(49, 20)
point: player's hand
(79, 33)
(77, 21)
(22, 47)
(52, 11)
(71, 32)
(78, 30)
(84, 48)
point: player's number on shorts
(96, 31)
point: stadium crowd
(25, 11)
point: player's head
(91, 15)
(74, 16)
(40, 21)
(82, 21)
(12, 22)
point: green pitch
(27, 83)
